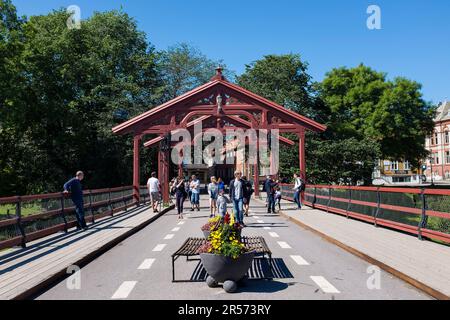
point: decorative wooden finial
(218, 75)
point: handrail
(420, 211)
(23, 228)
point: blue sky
(414, 41)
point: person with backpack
(271, 189)
(248, 191)
(299, 187)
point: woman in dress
(181, 194)
(213, 192)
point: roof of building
(443, 111)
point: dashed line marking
(324, 285)
(299, 260)
(124, 290)
(146, 264)
(284, 245)
(169, 236)
(267, 228)
(260, 221)
(274, 234)
(256, 217)
(160, 247)
(176, 229)
(181, 223)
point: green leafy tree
(78, 84)
(363, 104)
(183, 67)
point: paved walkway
(21, 270)
(307, 266)
(425, 262)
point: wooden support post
(256, 169)
(301, 154)
(136, 169)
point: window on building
(447, 156)
(407, 165)
(394, 165)
(436, 138)
(446, 137)
(447, 175)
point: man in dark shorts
(76, 194)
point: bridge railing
(27, 218)
(420, 211)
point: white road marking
(324, 285)
(160, 247)
(181, 223)
(256, 217)
(176, 229)
(284, 245)
(300, 261)
(267, 228)
(146, 264)
(274, 234)
(124, 290)
(260, 221)
(169, 236)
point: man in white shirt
(195, 193)
(298, 190)
(154, 189)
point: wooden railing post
(315, 198)
(90, 207)
(123, 199)
(63, 214)
(377, 211)
(329, 199)
(424, 218)
(349, 203)
(109, 202)
(19, 222)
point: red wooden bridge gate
(217, 104)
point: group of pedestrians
(241, 191)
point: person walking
(266, 188)
(270, 186)
(76, 193)
(180, 194)
(222, 201)
(213, 194)
(248, 192)
(220, 184)
(278, 196)
(298, 188)
(154, 190)
(195, 193)
(237, 197)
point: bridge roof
(218, 83)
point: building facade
(438, 144)
(396, 172)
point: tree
(283, 79)
(183, 67)
(79, 84)
(363, 104)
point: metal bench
(191, 245)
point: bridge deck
(424, 261)
(21, 270)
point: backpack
(303, 185)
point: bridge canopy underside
(220, 106)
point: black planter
(206, 233)
(222, 268)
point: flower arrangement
(211, 224)
(225, 239)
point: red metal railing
(37, 216)
(420, 211)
